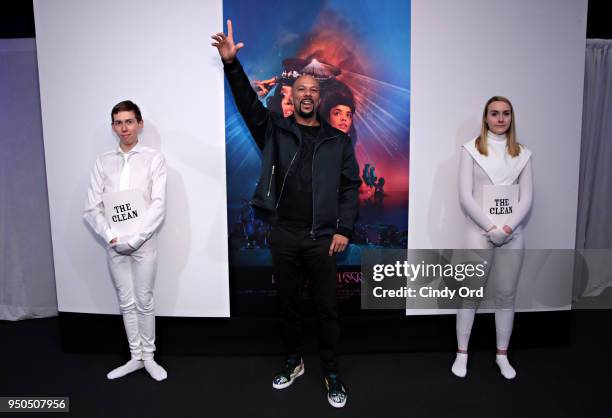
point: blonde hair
(514, 148)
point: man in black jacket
(308, 190)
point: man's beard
(306, 115)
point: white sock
(156, 371)
(459, 368)
(504, 366)
(127, 368)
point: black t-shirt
(296, 201)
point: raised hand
(225, 44)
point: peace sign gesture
(225, 44)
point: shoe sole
(335, 404)
(290, 382)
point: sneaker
(290, 372)
(336, 392)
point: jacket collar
(289, 124)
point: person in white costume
(132, 259)
(494, 158)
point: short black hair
(126, 106)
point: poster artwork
(365, 93)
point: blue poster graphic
(360, 53)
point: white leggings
(134, 279)
(502, 282)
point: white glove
(498, 237)
(124, 248)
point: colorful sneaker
(336, 392)
(292, 370)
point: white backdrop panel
(462, 54)
(94, 54)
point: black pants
(296, 257)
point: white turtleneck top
(498, 168)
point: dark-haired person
(308, 188)
(339, 110)
(132, 259)
(494, 158)
(281, 101)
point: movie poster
(360, 53)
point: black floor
(567, 380)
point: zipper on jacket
(312, 233)
(280, 195)
(271, 178)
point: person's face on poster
(306, 96)
(126, 127)
(341, 117)
(287, 101)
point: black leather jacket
(335, 174)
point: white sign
(124, 211)
(499, 202)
